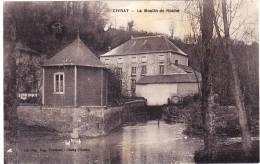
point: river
(140, 143)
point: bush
(186, 100)
(189, 99)
(30, 100)
(196, 97)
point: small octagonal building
(75, 77)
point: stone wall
(152, 65)
(81, 121)
(78, 122)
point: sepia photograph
(130, 82)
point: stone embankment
(78, 121)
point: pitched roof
(185, 68)
(189, 69)
(173, 78)
(148, 44)
(76, 53)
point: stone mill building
(151, 65)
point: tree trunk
(239, 98)
(10, 102)
(207, 100)
(10, 98)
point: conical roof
(76, 53)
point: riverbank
(226, 119)
(226, 126)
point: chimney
(109, 48)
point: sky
(247, 13)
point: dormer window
(59, 83)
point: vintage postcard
(140, 82)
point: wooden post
(101, 87)
(43, 71)
(107, 81)
(75, 85)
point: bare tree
(130, 25)
(172, 28)
(224, 15)
(239, 97)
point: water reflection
(141, 143)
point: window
(133, 85)
(176, 62)
(119, 60)
(161, 58)
(106, 61)
(134, 59)
(143, 59)
(133, 71)
(120, 84)
(119, 71)
(143, 70)
(59, 83)
(161, 69)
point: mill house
(150, 65)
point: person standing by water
(158, 122)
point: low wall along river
(78, 121)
